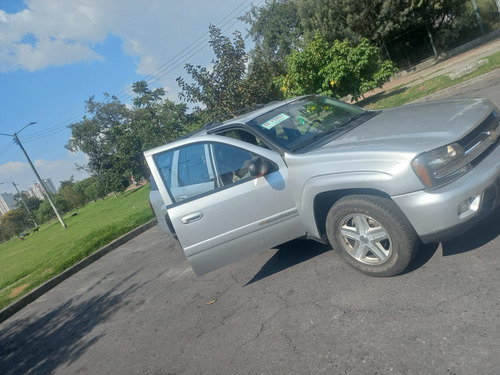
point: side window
(187, 171)
(231, 163)
(199, 168)
(192, 164)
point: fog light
(468, 206)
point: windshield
(298, 123)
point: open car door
(225, 199)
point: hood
(417, 127)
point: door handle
(191, 218)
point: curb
(10, 310)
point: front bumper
(435, 215)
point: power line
(4, 151)
(187, 53)
(180, 58)
(170, 65)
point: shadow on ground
(298, 251)
(379, 96)
(485, 231)
(41, 345)
(288, 255)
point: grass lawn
(24, 265)
(406, 94)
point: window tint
(232, 163)
(199, 168)
(192, 165)
(164, 164)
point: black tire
(372, 235)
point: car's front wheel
(372, 234)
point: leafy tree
(95, 191)
(72, 196)
(82, 188)
(31, 202)
(399, 27)
(93, 135)
(157, 121)
(15, 222)
(106, 139)
(275, 28)
(337, 71)
(260, 83)
(45, 211)
(66, 183)
(219, 89)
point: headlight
(440, 166)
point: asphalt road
(294, 310)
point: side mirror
(258, 166)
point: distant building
(7, 202)
(36, 190)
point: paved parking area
(293, 310)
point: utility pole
(478, 16)
(22, 200)
(20, 195)
(40, 181)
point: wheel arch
(325, 200)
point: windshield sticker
(275, 121)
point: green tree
(95, 191)
(337, 70)
(259, 84)
(31, 202)
(15, 222)
(275, 28)
(155, 120)
(93, 135)
(45, 212)
(82, 186)
(72, 196)
(220, 88)
(105, 136)
(403, 29)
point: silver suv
(374, 184)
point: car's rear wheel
(372, 235)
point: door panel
(236, 222)
(219, 212)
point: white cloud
(48, 33)
(59, 32)
(57, 170)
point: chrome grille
(481, 141)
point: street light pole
(40, 181)
(44, 188)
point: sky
(55, 54)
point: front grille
(482, 140)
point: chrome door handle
(191, 218)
